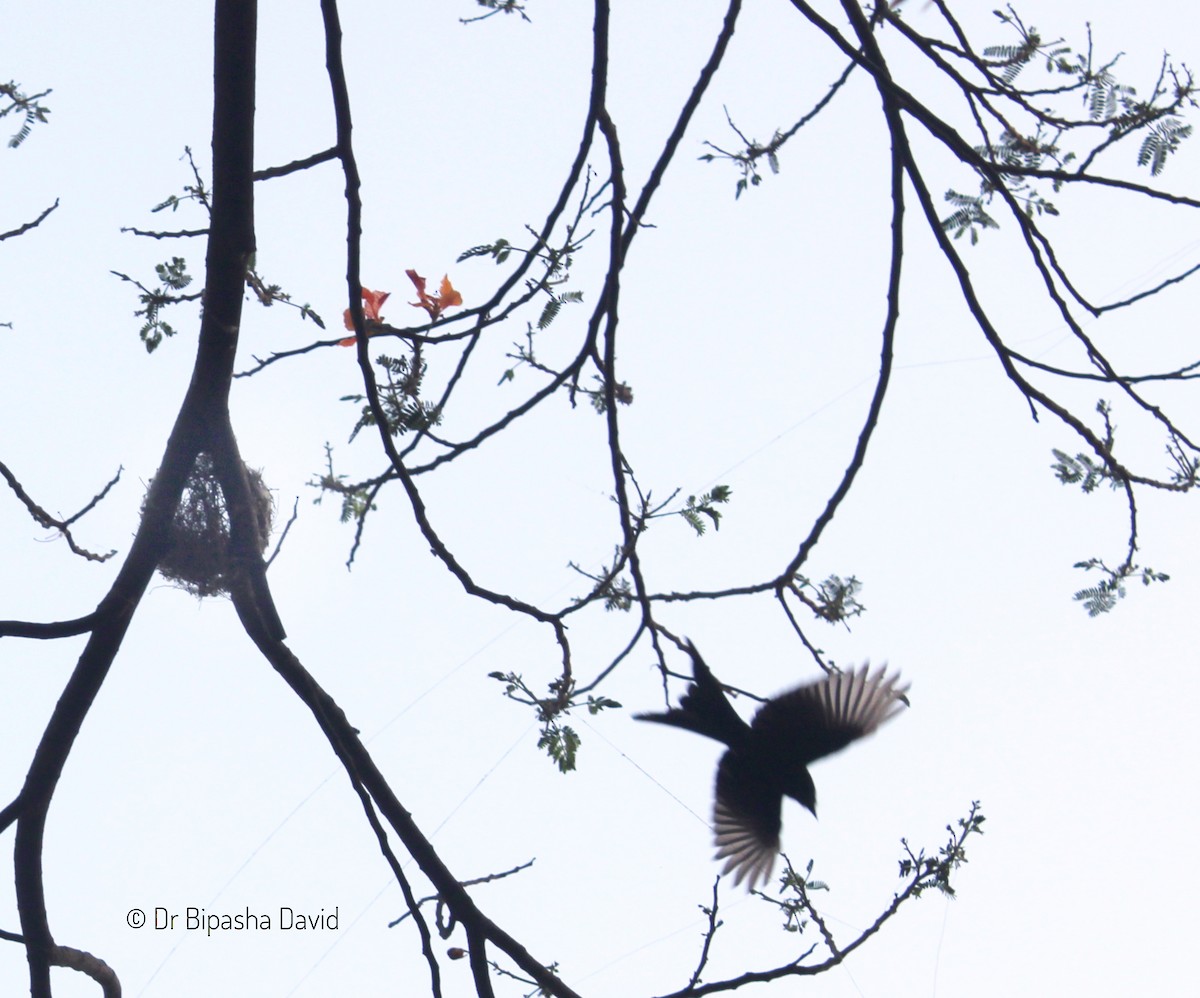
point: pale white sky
(749, 337)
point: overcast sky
(749, 337)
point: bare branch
(63, 526)
(296, 165)
(487, 879)
(20, 230)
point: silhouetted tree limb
(22, 229)
(63, 526)
(231, 243)
(58, 629)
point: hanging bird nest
(198, 557)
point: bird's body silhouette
(768, 758)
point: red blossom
(372, 303)
(434, 305)
(446, 297)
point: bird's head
(798, 785)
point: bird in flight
(769, 757)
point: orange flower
(372, 303)
(446, 297)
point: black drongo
(769, 757)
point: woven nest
(198, 557)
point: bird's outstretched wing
(746, 819)
(819, 718)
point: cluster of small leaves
(969, 215)
(1089, 474)
(499, 251)
(555, 304)
(1161, 142)
(1030, 152)
(598, 396)
(523, 353)
(556, 260)
(1033, 152)
(935, 871)
(835, 599)
(558, 740)
(1022, 151)
(1186, 473)
(195, 191)
(524, 356)
(1011, 59)
(173, 273)
(25, 105)
(1083, 470)
(706, 506)
(1103, 597)
(794, 904)
(400, 397)
(269, 294)
(556, 263)
(1105, 98)
(495, 7)
(747, 161)
(610, 585)
(1117, 105)
(618, 595)
(694, 512)
(1108, 102)
(173, 277)
(356, 499)
(596, 704)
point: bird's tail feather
(704, 708)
